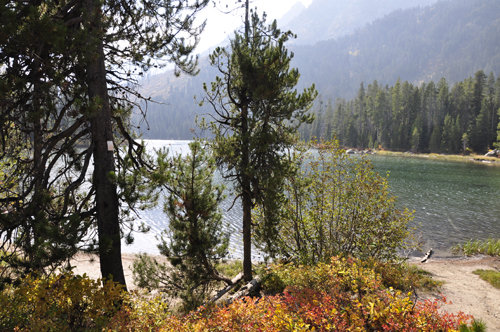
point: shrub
(339, 206)
(339, 296)
(59, 303)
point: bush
(339, 296)
(59, 303)
(339, 206)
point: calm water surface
(453, 201)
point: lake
(454, 201)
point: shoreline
(88, 264)
(450, 157)
(466, 291)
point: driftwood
(246, 290)
(226, 289)
(427, 256)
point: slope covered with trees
(450, 39)
(430, 117)
(326, 19)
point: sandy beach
(467, 292)
(89, 264)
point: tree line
(450, 39)
(422, 118)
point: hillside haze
(327, 19)
(450, 39)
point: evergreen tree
(329, 134)
(195, 241)
(435, 142)
(257, 114)
(415, 140)
(447, 136)
(68, 78)
(479, 132)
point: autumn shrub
(63, 302)
(338, 206)
(343, 295)
(402, 276)
(142, 312)
(351, 287)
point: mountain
(450, 39)
(327, 19)
(296, 9)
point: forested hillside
(430, 117)
(451, 39)
(327, 19)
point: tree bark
(226, 289)
(246, 198)
(107, 206)
(246, 188)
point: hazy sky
(220, 25)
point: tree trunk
(247, 290)
(246, 198)
(107, 206)
(247, 235)
(246, 188)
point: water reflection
(453, 201)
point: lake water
(453, 201)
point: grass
(477, 326)
(493, 277)
(230, 268)
(473, 247)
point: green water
(453, 201)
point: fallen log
(226, 289)
(427, 256)
(246, 290)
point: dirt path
(467, 292)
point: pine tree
(329, 121)
(69, 73)
(447, 136)
(435, 142)
(195, 240)
(415, 140)
(257, 114)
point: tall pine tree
(257, 115)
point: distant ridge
(450, 39)
(327, 19)
(296, 9)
